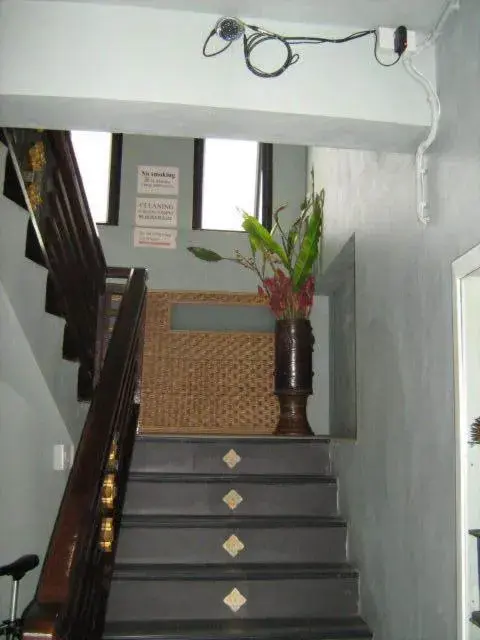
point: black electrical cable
(214, 53)
(260, 36)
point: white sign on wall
(155, 238)
(158, 180)
(156, 212)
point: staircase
(220, 538)
(232, 538)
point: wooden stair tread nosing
(240, 629)
(228, 478)
(133, 520)
(278, 571)
(209, 439)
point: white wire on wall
(421, 164)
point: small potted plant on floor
(283, 260)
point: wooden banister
(72, 591)
(67, 238)
(118, 273)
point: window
(231, 176)
(99, 158)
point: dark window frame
(115, 179)
(264, 181)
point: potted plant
(283, 260)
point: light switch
(60, 457)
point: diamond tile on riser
(232, 499)
(198, 599)
(235, 600)
(233, 539)
(232, 459)
(233, 545)
(202, 497)
(204, 544)
(206, 455)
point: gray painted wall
(177, 269)
(338, 282)
(398, 481)
(30, 425)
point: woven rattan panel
(205, 382)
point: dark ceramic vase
(293, 375)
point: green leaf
(283, 235)
(205, 254)
(296, 228)
(262, 239)
(309, 248)
(293, 236)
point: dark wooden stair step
(273, 629)
(257, 454)
(215, 439)
(208, 494)
(240, 522)
(173, 592)
(238, 572)
(202, 478)
(221, 539)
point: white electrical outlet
(63, 457)
(386, 40)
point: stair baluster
(74, 584)
(63, 237)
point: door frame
(461, 268)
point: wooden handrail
(118, 273)
(67, 237)
(72, 591)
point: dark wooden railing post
(72, 591)
(73, 587)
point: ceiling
(415, 14)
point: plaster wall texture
(155, 56)
(397, 481)
(153, 78)
(30, 425)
